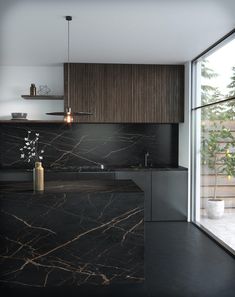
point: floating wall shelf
(44, 97)
(30, 121)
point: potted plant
(218, 154)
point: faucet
(146, 155)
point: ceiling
(34, 32)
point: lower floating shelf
(31, 121)
(44, 97)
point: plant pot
(215, 208)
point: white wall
(184, 128)
(15, 81)
(184, 132)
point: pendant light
(68, 114)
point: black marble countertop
(136, 168)
(78, 186)
(98, 169)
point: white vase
(215, 208)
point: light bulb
(68, 117)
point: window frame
(196, 135)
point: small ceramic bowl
(19, 115)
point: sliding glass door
(213, 116)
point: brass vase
(38, 177)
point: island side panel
(70, 239)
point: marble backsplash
(90, 145)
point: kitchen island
(73, 233)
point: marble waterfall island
(74, 233)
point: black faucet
(146, 155)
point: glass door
(213, 154)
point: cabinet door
(169, 195)
(158, 93)
(105, 90)
(143, 180)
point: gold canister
(32, 90)
(38, 177)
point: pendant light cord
(68, 65)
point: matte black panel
(169, 195)
(90, 145)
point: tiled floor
(223, 228)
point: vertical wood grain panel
(127, 93)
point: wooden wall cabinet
(126, 93)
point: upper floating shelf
(44, 97)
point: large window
(214, 142)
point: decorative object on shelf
(43, 90)
(30, 152)
(68, 114)
(19, 115)
(32, 90)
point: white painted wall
(184, 133)
(15, 81)
(184, 128)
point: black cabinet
(166, 192)
(143, 180)
(169, 195)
